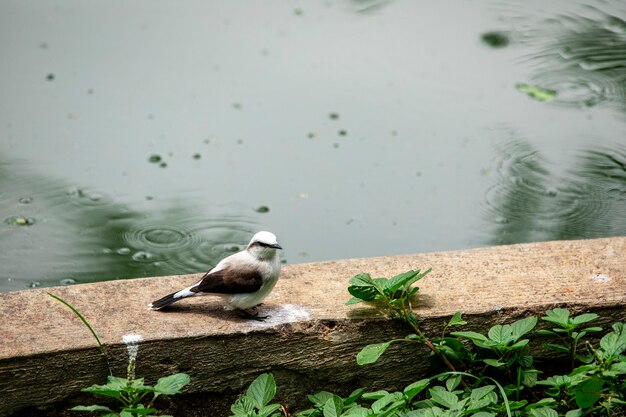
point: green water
(151, 138)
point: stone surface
(311, 338)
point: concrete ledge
(311, 339)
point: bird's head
(263, 245)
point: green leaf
(614, 343)
(443, 397)
(575, 413)
(415, 388)
(320, 398)
(262, 390)
(453, 382)
(523, 326)
(545, 333)
(479, 393)
(333, 407)
(381, 403)
(473, 336)
(242, 406)
(268, 410)
(90, 408)
(356, 411)
(353, 300)
(172, 384)
(501, 334)
(139, 410)
(494, 362)
(371, 353)
(355, 395)
(584, 318)
(375, 395)
(543, 412)
(364, 287)
(558, 316)
(483, 414)
(519, 344)
(556, 347)
(588, 392)
(456, 320)
(400, 280)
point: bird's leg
(251, 313)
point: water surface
(148, 138)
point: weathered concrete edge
(310, 349)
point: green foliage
(569, 332)
(129, 392)
(255, 402)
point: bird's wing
(229, 280)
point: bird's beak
(276, 246)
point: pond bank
(311, 337)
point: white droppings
(286, 313)
(132, 339)
(601, 278)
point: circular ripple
(160, 239)
(579, 88)
(84, 197)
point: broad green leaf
(443, 397)
(501, 334)
(268, 410)
(353, 300)
(544, 402)
(415, 388)
(320, 398)
(543, 412)
(556, 347)
(381, 403)
(614, 343)
(575, 413)
(333, 407)
(375, 395)
(139, 410)
(519, 344)
(242, 407)
(523, 326)
(453, 382)
(90, 408)
(483, 414)
(473, 336)
(479, 393)
(355, 395)
(356, 411)
(456, 320)
(592, 329)
(399, 281)
(172, 384)
(494, 362)
(558, 316)
(584, 318)
(588, 392)
(262, 390)
(545, 333)
(364, 287)
(371, 353)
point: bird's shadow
(218, 311)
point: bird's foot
(251, 314)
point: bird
(242, 279)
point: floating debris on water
(25, 200)
(123, 251)
(536, 92)
(495, 39)
(197, 156)
(68, 281)
(19, 221)
(334, 116)
(50, 77)
(343, 132)
(155, 158)
(263, 209)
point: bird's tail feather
(164, 301)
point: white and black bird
(242, 279)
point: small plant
(255, 402)
(569, 333)
(129, 392)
